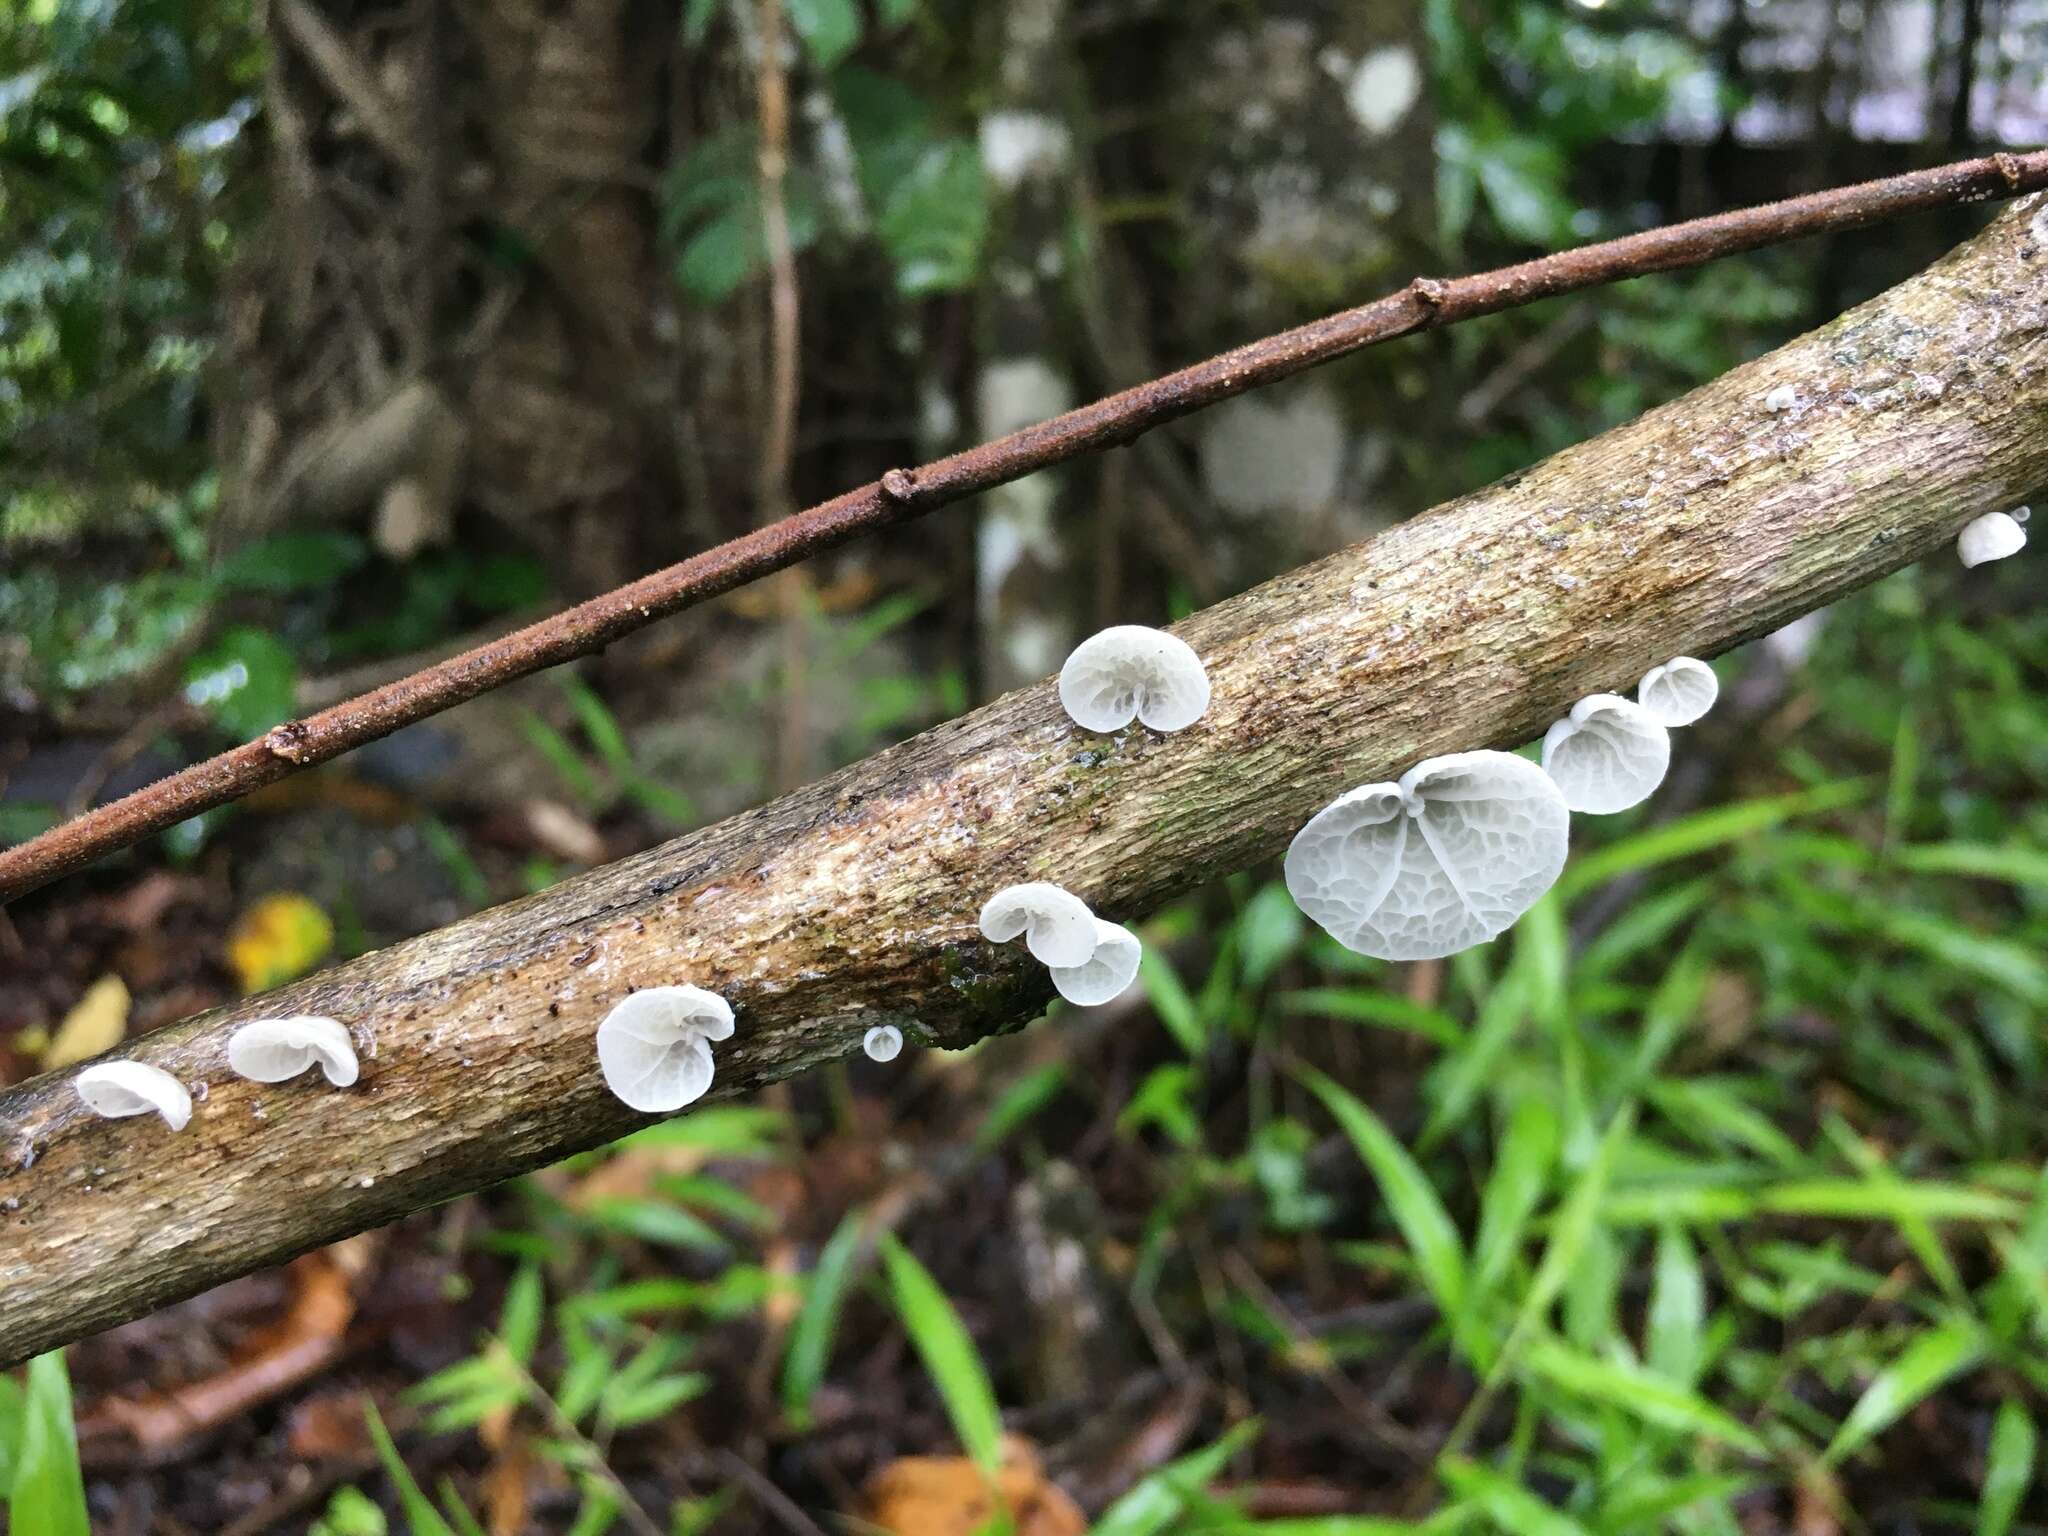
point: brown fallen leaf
(298, 1346)
(96, 1023)
(950, 1496)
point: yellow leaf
(280, 937)
(96, 1023)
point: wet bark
(853, 901)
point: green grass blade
(1521, 1173)
(810, 1337)
(420, 1513)
(1384, 1010)
(1170, 1001)
(1675, 1335)
(949, 1355)
(1977, 861)
(49, 1490)
(2008, 1469)
(1411, 1199)
(1504, 1501)
(1643, 1394)
(1921, 1367)
(1702, 831)
(1158, 1501)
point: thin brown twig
(901, 495)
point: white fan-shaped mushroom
(655, 1047)
(1447, 858)
(1679, 692)
(1057, 926)
(883, 1043)
(276, 1050)
(1133, 671)
(1607, 754)
(118, 1089)
(1104, 974)
(1990, 537)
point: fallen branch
(853, 901)
(904, 494)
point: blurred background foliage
(331, 338)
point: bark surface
(853, 901)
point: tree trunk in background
(1695, 527)
(1025, 603)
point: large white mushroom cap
(1607, 754)
(1130, 671)
(1447, 858)
(655, 1047)
(1056, 925)
(276, 1050)
(1104, 974)
(1990, 537)
(118, 1089)
(1679, 692)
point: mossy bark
(853, 901)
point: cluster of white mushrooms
(1448, 856)
(263, 1051)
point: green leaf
(2015, 864)
(308, 561)
(817, 1323)
(1931, 1359)
(830, 29)
(351, 1513)
(519, 1322)
(48, 1498)
(2008, 1469)
(420, 1513)
(1160, 1499)
(1170, 1001)
(1387, 1010)
(1411, 1199)
(1701, 832)
(1019, 1102)
(245, 681)
(1643, 1394)
(655, 1221)
(1521, 1173)
(949, 1355)
(1164, 1099)
(1675, 1334)
(936, 220)
(1269, 931)
(1505, 1502)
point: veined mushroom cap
(1131, 671)
(1105, 973)
(118, 1089)
(1679, 692)
(1447, 858)
(276, 1050)
(883, 1043)
(1990, 537)
(1057, 926)
(655, 1046)
(1607, 754)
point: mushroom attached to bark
(655, 1047)
(1679, 692)
(1991, 537)
(1056, 925)
(1448, 857)
(1105, 973)
(118, 1089)
(1607, 754)
(1130, 671)
(883, 1043)
(276, 1050)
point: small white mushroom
(118, 1089)
(1057, 926)
(1679, 692)
(277, 1050)
(882, 1043)
(1104, 974)
(1607, 754)
(1447, 858)
(655, 1047)
(1783, 398)
(1132, 671)
(1991, 537)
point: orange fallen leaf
(951, 1496)
(280, 937)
